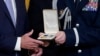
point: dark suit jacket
(36, 19)
(9, 33)
(88, 29)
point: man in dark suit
(36, 19)
(13, 29)
(80, 27)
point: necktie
(11, 11)
(27, 2)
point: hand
(28, 43)
(46, 43)
(60, 37)
(37, 52)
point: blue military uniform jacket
(83, 35)
(85, 19)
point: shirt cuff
(77, 36)
(18, 44)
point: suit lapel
(5, 9)
(74, 9)
(71, 6)
(81, 4)
(18, 6)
